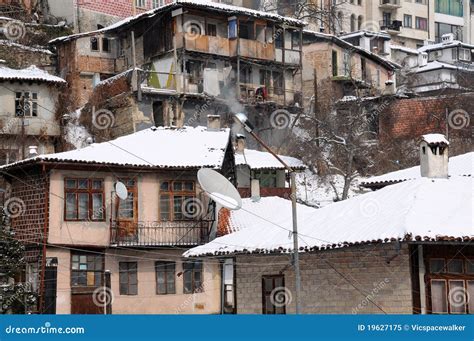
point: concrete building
(94, 245)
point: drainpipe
(421, 278)
(221, 264)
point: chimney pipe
(434, 156)
(213, 122)
(239, 143)
(255, 189)
(33, 151)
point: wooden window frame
(90, 191)
(165, 270)
(73, 271)
(447, 277)
(129, 284)
(192, 272)
(130, 189)
(171, 193)
(31, 107)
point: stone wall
(342, 281)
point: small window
(211, 30)
(105, 45)
(439, 302)
(334, 63)
(94, 44)
(165, 278)
(86, 269)
(193, 280)
(470, 266)
(175, 199)
(421, 23)
(295, 40)
(128, 281)
(437, 266)
(267, 177)
(140, 3)
(455, 266)
(407, 21)
(26, 104)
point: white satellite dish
(121, 190)
(219, 189)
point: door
(274, 294)
(50, 286)
(158, 114)
(83, 303)
(126, 213)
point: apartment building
(410, 23)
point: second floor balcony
(389, 4)
(160, 233)
(391, 26)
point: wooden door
(83, 303)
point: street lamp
(243, 120)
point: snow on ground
(76, 134)
(316, 191)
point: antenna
(219, 189)
(121, 190)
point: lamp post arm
(259, 140)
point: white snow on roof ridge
(442, 45)
(461, 165)
(405, 49)
(435, 138)
(208, 4)
(30, 73)
(162, 147)
(256, 159)
(425, 209)
(24, 47)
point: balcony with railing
(391, 26)
(389, 4)
(160, 233)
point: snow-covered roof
(262, 160)
(461, 165)
(440, 46)
(31, 73)
(365, 33)
(345, 44)
(161, 147)
(436, 65)
(435, 138)
(199, 4)
(24, 47)
(404, 49)
(419, 210)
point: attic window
(94, 44)
(423, 149)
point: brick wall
(118, 8)
(324, 290)
(408, 119)
(28, 192)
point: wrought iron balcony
(392, 26)
(160, 233)
(389, 4)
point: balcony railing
(281, 192)
(389, 25)
(160, 233)
(390, 3)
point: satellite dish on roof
(219, 189)
(121, 190)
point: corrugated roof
(161, 147)
(423, 209)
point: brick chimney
(434, 156)
(213, 122)
(239, 143)
(32, 151)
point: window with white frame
(464, 54)
(140, 3)
(26, 104)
